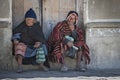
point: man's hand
(37, 44)
(70, 44)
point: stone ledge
(103, 25)
(4, 24)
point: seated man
(28, 40)
(66, 36)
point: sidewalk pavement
(58, 75)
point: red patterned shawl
(55, 42)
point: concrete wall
(5, 34)
(17, 12)
(102, 21)
(102, 10)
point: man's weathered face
(72, 19)
(30, 21)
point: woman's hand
(15, 42)
(37, 44)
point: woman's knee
(18, 56)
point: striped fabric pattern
(56, 44)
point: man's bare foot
(64, 68)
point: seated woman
(28, 40)
(66, 36)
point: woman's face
(30, 21)
(72, 19)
